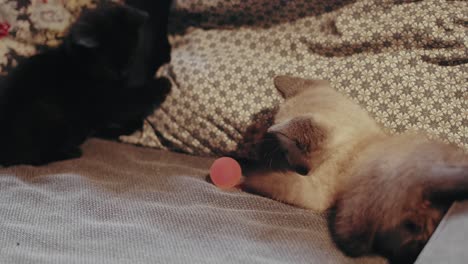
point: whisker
(271, 152)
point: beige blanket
(125, 204)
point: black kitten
(154, 49)
(53, 101)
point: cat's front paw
(157, 90)
(276, 185)
(60, 155)
(163, 85)
(73, 153)
(289, 187)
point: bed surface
(126, 204)
(448, 243)
(403, 61)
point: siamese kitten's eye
(412, 227)
(302, 170)
(301, 147)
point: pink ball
(225, 173)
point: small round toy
(225, 173)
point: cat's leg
(155, 92)
(138, 102)
(289, 187)
(39, 133)
(126, 114)
(154, 49)
(63, 153)
(61, 138)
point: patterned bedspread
(404, 61)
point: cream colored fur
(353, 138)
(387, 192)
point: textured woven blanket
(126, 204)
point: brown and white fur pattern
(387, 192)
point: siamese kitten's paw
(262, 184)
(288, 187)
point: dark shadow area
(398, 41)
(270, 13)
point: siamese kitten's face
(395, 201)
(290, 145)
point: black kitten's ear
(447, 183)
(290, 86)
(297, 138)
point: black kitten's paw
(59, 155)
(73, 153)
(159, 89)
(164, 85)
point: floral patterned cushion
(403, 61)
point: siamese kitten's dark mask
(289, 145)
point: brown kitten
(387, 192)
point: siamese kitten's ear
(297, 138)
(290, 86)
(447, 184)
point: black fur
(89, 85)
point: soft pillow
(405, 62)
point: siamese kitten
(90, 85)
(387, 192)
